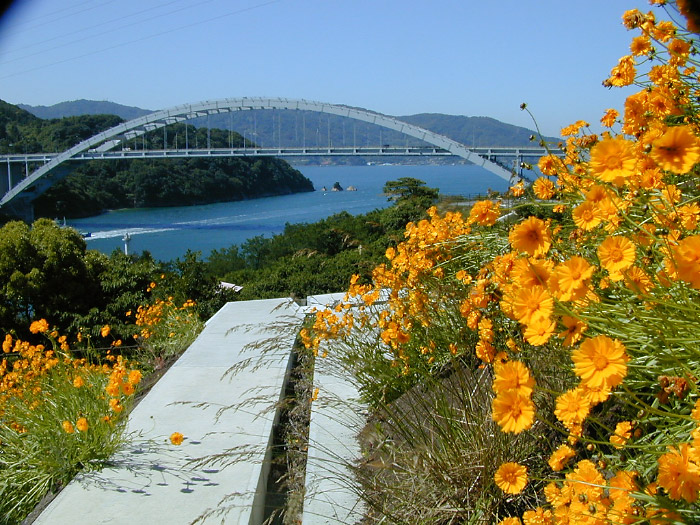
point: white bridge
(22, 184)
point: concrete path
(154, 481)
(337, 416)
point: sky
(397, 57)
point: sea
(167, 233)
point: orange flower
(616, 254)
(513, 376)
(587, 215)
(569, 280)
(600, 361)
(531, 236)
(677, 150)
(530, 302)
(40, 326)
(560, 456)
(517, 189)
(484, 213)
(134, 377)
(572, 407)
(105, 331)
(78, 382)
(68, 427)
(613, 160)
(539, 330)
(513, 412)
(574, 329)
(623, 431)
(511, 477)
(623, 73)
(543, 188)
(81, 424)
(687, 260)
(678, 474)
(610, 117)
(176, 438)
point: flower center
(613, 162)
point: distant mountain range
(268, 128)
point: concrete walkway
(155, 482)
(337, 416)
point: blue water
(167, 233)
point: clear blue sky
(399, 57)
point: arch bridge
(19, 192)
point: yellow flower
(610, 117)
(81, 424)
(587, 215)
(176, 438)
(613, 160)
(513, 412)
(484, 213)
(572, 407)
(78, 382)
(134, 377)
(531, 236)
(687, 260)
(530, 302)
(560, 457)
(543, 188)
(677, 150)
(513, 376)
(510, 521)
(574, 330)
(623, 431)
(678, 474)
(105, 331)
(600, 361)
(616, 253)
(511, 477)
(68, 427)
(40, 326)
(539, 329)
(623, 73)
(570, 280)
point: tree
(407, 188)
(44, 274)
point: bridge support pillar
(10, 175)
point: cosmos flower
(600, 361)
(678, 474)
(543, 188)
(513, 412)
(677, 150)
(511, 477)
(572, 407)
(81, 424)
(616, 253)
(513, 376)
(560, 457)
(613, 160)
(531, 236)
(176, 438)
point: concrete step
(153, 481)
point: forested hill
(100, 185)
(75, 108)
(291, 124)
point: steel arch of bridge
(39, 180)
